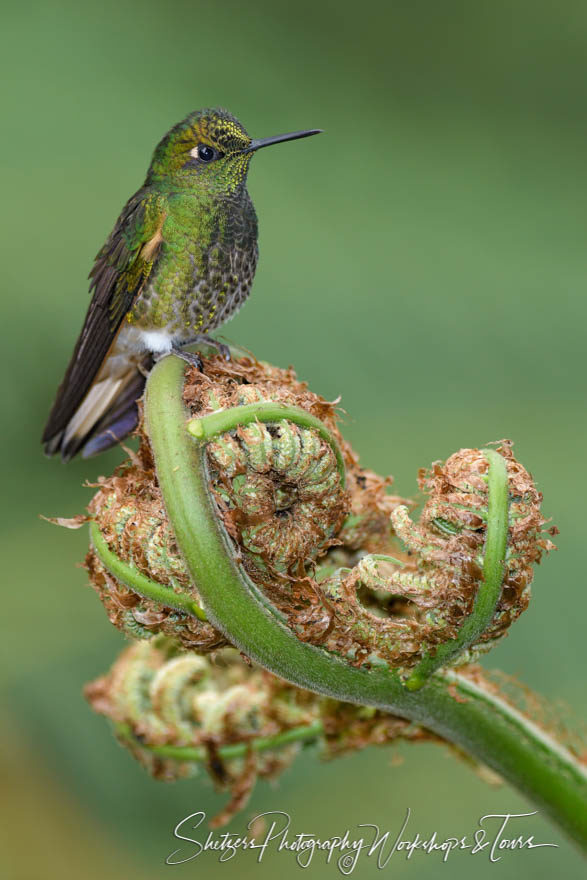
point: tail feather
(99, 399)
(108, 411)
(120, 428)
(121, 419)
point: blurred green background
(425, 258)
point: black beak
(257, 143)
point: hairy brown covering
(398, 613)
(159, 697)
(301, 517)
(457, 497)
(327, 556)
(346, 565)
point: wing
(120, 271)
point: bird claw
(223, 350)
(190, 357)
(203, 339)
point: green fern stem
(448, 703)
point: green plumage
(179, 263)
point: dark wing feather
(116, 279)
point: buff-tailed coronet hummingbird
(178, 264)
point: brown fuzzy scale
(396, 614)
(450, 487)
(245, 380)
(349, 728)
(129, 510)
(368, 529)
(166, 698)
(357, 519)
(282, 519)
(305, 540)
(452, 563)
(380, 625)
(141, 618)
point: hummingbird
(178, 264)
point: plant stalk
(449, 703)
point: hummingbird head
(209, 149)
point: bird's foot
(190, 357)
(203, 339)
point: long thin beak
(257, 143)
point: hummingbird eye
(206, 153)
